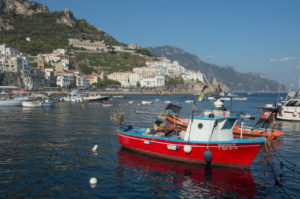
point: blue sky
(261, 36)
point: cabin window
(229, 124)
(293, 103)
(200, 126)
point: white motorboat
(146, 102)
(94, 97)
(13, 99)
(290, 110)
(32, 104)
(74, 96)
(189, 101)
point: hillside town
(54, 69)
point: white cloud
(210, 57)
(283, 59)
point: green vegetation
(145, 51)
(53, 85)
(106, 83)
(85, 69)
(174, 81)
(46, 34)
(109, 62)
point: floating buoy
(207, 156)
(94, 149)
(187, 148)
(93, 182)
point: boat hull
(10, 102)
(32, 104)
(228, 153)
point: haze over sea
(46, 153)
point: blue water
(46, 153)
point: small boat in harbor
(32, 104)
(239, 98)
(107, 103)
(94, 97)
(14, 98)
(189, 101)
(144, 102)
(74, 96)
(207, 140)
(48, 102)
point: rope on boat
(282, 161)
(271, 165)
(267, 156)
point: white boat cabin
(206, 129)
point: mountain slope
(32, 29)
(47, 30)
(232, 79)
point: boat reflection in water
(187, 180)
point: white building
(192, 76)
(172, 69)
(64, 80)
(127, 79)
(6, 51)
(82, 82)
(155, 81)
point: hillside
(228, 76)
(32, 29)
(47, 30)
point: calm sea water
(46, 153)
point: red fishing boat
(266, 118)
(207, 140)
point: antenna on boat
(293, 81)
(208, 83)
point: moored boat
(107, 103)
(94, 97)
(14, 98)
(32, 104)
(48, 102)
(207, 140)
(290, 110)
(146, 102)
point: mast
(293, 80)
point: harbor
(47, 152)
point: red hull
(231, 154)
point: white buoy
(187, 148)
(93, 181)
(94, 149)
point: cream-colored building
(11, 64)
(127, 79)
